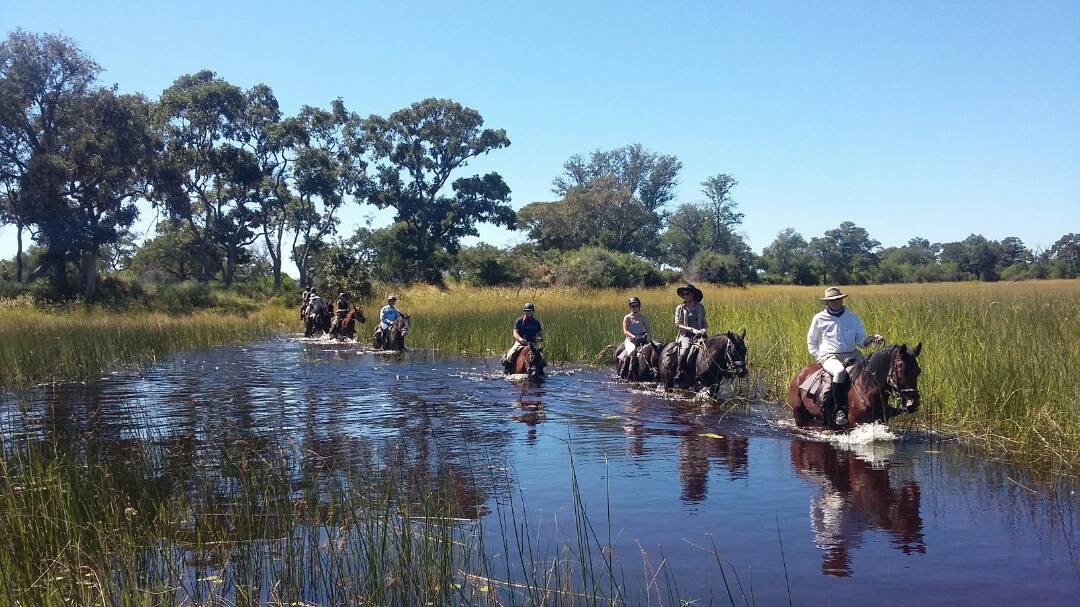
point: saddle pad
(817, 383)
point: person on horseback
(340, 310)
(304, 304)
(835, 335)
(635, 328)
(387, 316)
(316, 305)
(526, 330)
(690, 323)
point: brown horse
(873, 380)
(529, 361)
(643, 365)
(718, 358)
(393, 338)
(347, 327)
(856, 496)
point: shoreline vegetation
(998, 365)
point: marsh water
(875, 518)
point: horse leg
(803, 417)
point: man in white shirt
(835, 335)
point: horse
(873, 380)
(317, 322)
(393, 338)
(710, 362)
(643, 365)
(529, 361)
(347, 327)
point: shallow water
(873, 517)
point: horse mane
(874, 369)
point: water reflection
(856, 495)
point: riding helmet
(391, 298)
(528, 307)
(634, 301)
(342, 295)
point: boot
(840, 401)
(681, 365)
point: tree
(1066, 253)
(689, 231)
(208, 180)
(787, 258)
(645, 180)
(173, 255)
(845, 254)
(43, 77)
(722, 209)
(418, 149)
(975, 255)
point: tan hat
(832, 294)
(391, 297)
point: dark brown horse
(856, 496)
(718, 358)
(315, 322)
(644, 365)
(347, 327)
(393, 338)
(892, 370)
(529, 361)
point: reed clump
(1000, 361)
(72, 343)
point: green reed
(66, 344)
(165, 522)
(1000, 360)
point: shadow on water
(662, 477)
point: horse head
(358, 314)
(724, 356)
(903, 377)
(735, 353)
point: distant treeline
(239, 187)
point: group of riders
(833, 340)
(314, 306)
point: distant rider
(303, 306)
(834, 336)
(690, 323)
(341, 310)
(387, 316)
(316, 305)
(527, 329)
(635, 328)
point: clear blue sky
(908, 118)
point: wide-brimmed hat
(832, 294)
(698, 295)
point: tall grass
(73, 343)
(1001, 361)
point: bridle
(892, 382)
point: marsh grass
(161, 522)
(72, 343)
(1001, 361)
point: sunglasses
(635, 305)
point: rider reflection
(697, 447)
(856, 495)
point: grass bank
(1000, 359)
(44, 344)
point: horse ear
(915, 351)
(743, 334)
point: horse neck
(864, 376)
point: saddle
(817, 384)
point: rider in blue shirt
(526, 330)
(387, 315)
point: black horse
(643, 365)
(712, 361)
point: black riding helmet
(528, 308)
(342, 296)
(634, 301)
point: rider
(834, 336)
(689, 323)
(316, 305)
(387, 316)
(341, 310)
(526, 330)
(303, 306)
(635, 328)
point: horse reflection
(698, 448)
(855, 496)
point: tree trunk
(18, 252)
(230, 265)
(89, 271)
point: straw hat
(832, 294)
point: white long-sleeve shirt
(830, 334)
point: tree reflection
(856, 495)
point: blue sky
(908, 118)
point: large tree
(787, 258)
(418, 149)
(210, 181)
(43, 80)
(845, 254)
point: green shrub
(183, 298)
(596, 268)
(715, 268)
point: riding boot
(681, 365)
(828, 407)
(840, 400)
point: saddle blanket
(817, 383)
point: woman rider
(635, 329)
(690, 323)
(526, 330)
(341, 310)
(834, 336)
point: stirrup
(841, 419)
